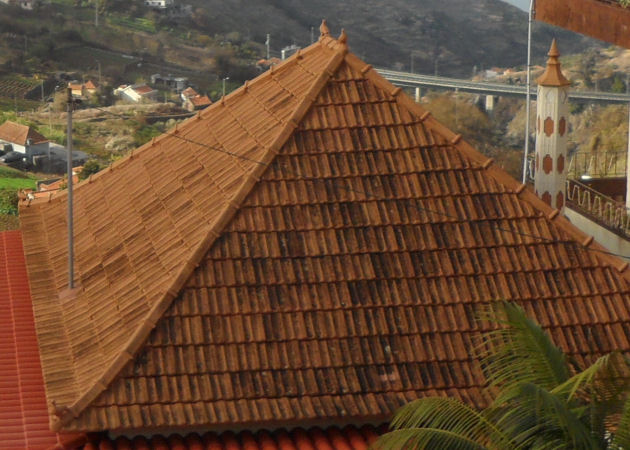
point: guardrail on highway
(406, 79)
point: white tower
(552, 112)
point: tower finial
(323, 29)
(553, 75)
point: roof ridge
(137, 339)
(499, 175)
(177, 129)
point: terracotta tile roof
(347, 438)
(90, 85)
(601, 19)
(189, 92)
(200, 101)
(331, 271)
(18, 133)
(23, 410)
(143, 90)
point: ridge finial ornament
(343, 37)
(323, 29)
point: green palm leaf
(520, 351)
(536, 414)
(451, 415)
(621, 439)
(425, 438)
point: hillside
(460, 34)
(223, 37)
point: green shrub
(8, 202)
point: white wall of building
(603, 236)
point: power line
(377, 197)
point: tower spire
(552, 112)
(553, 73)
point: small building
(288, 51)
(265, 64)
(77, 89)
(136, 93)
(22, 139)
(176, 83)
(197, 102)
(188, 93)
(160, 4)
(24, 4)
(90, 87)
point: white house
(22, 139)
(136, 93)
(24, 4)
(159, 4)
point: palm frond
(450, 415)
(520, 351)
(605, 379)
(538, 414)
(424, 439)
(621, 439)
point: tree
(91, 167)
(542, 401)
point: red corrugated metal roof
(348, 438)
(602, 19)
(23, 412)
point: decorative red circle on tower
(547, 164)
(548, 126)
(562, 126)
(560, 163)
(559, 200)
(546, 197)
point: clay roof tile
(317, 250)
(19, 134)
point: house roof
(23, 409)
(90, 85)
(189, 92)
(18, 133)
(347, 438)
(316, 251)
(200, 100)
(602, 19)
(143, 89)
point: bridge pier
(418, 95)
(490, 100)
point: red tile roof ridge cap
(135, 342)
(498, 174)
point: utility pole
(268, 44)
(528, 82)
(411, 64)
(99, 73)
(224, 80)
(312, 35)
(70, 209)
(628, 156)
(96, 13)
